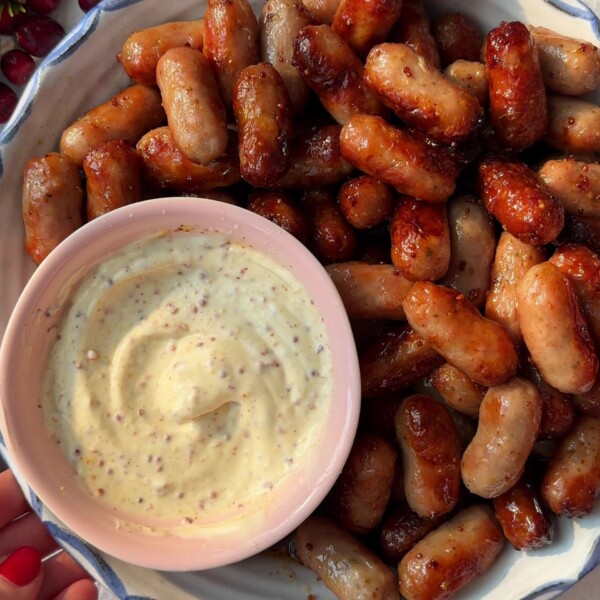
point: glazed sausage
(394, 157)
(113, 177)
(195, 111)
(263, 111)
(420, 239)
(571, 484)
(165, 166)
(370, 291)
(451, 556)
(322, 10)
(573, 125)
(420, 95)
(589, 403)
(512, 261)
(316, 160)
(414, 29)
(518, 108)
(430, 455)
(334, 72)
(520, 201)
(575, 183)
(280, 208)
(280, 22)
(126, 116)
(582, 268)
(569, 66)
(142, 49)
(471, 77)
(396, 360)
(362, 491)
(365, 202)
(230, 41)
(362, 23)
(347, 567)
(522, 518)
(454, 327)
(457, 38)
(458, 390)
(52, 203)
(555, 331)
(509, 421)
(472, 243)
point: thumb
(21, 575)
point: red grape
(38, 34)
(43, 7)
(87, 5)
(8, 101)
(9, 23)
(17, 66)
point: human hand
(24, 544)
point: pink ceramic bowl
(22, 362)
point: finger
(21, 575)
(12, 502)
(60, 572)
(84, 589)
(28, 528)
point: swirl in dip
(190, 376)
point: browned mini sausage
(334, 72)
(420, 239)
(142, 49)
(230, 41)
(582, 268)
(509, 421)
(569, 66)
(518, 108)
(472, 243)
(365, 202)
(126, 116)
(52, 203)
(512, 261)
(573, 125)
(420, 95)
(113, 177)
(280, 208)
(362, 491)
(555, 331)
(458, 390)
(280, 22)
(396, 360)
(347, 567)
(414, 29)
(575, 183)
(454, 327)
(362, 23)
(430, 455)
(451, 556)
(571, 484)
(522, 517)
(402, 529)
(195, 111)
(471, 77)
(393, 156)
(457, 38)
(370, 291)
(316, 160)
(322, 10)
(263, 111)
(520, 201)
(165, 166)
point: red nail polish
(22, 566)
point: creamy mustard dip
(189, 376)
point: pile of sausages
(449, 183)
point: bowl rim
(237, 222)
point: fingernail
(22, 566)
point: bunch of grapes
(35, 33)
